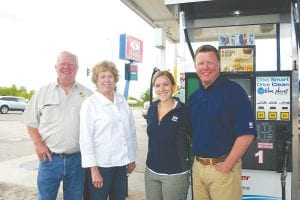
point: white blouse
(107, 132)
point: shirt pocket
(49, 113)
(75, 112)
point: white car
(12, 103)
(145, 109)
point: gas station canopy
(255, 16)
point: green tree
(15, 91)
(146, 95)
(135, 101)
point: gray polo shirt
(56, 116)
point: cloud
(9, 17)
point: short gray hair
(68, 53)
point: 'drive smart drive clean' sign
(273, 98)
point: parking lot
(14, 140)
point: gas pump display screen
(192, 83)
(246, 85)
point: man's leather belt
(211, 161)
(64, 154)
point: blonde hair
(105, 66)
(161, 73)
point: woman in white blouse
(107, 136)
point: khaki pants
(209, 184)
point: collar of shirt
(57, 84)
(217, 82)
(106, 101)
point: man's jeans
(67, 169)
(114, 184)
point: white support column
(160, 43)
(162, 59)
(181, 57)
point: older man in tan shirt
(52, 120)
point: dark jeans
(114, 184)
(66, 169)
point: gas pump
(267, 165)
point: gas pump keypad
(272, 115)
(284, 116)
(260, 115)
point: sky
(34, 32)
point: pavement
(19, 163)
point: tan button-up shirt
(56, 116)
